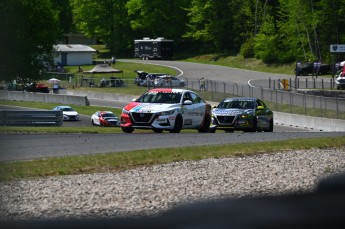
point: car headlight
(244, 116)
(167, 112)
(124, 111)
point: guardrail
(31, 118)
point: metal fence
(284, 95)
(31, 118)
(279, 97)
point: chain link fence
(305, 96)
(282, 96)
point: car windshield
(236, 104)
(108, 115)
(160, 97)
(67, 109)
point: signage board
(337, 48)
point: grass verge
(111, 162)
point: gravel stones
(153, 190)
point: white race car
(68, 113)
(166, 109)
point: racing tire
(127, 129)
(254, 126)
(206, 125)
(212, 130)
(92, 122)
(178, 125)
(270, 128)
(158, 131)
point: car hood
(70, 113)
(111, 118)
(150, 107)
(231, 112)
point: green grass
(111, 162)
(85, 110)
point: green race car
(245, 114)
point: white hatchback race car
(166, 109)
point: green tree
(105, 19)
(158, 18)
(211, 22)
(29, 31)
(65, 15)
(266, 42)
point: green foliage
(157, 18)
(247, 48)
(104, 19)
(29, 31)
(274, 31)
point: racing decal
(226, 112)
(156, 90)
(195, 113)
(188, 122)
(161, 121)
(131, 105)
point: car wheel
(212, 130)
(92, 122)
(157, 130)
(127, 129)
(178, 125)
(206, 125)
(270, 128)
(254, 126)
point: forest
(274, 31)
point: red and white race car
(166, 109)
(104, 118)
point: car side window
(259, 103)
(196, 98)
(187, 96)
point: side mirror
(134, 99)
(260, 108)
(214, 106)
(187, 102)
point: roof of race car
(105, 112)
(167, 90)
(239, 99)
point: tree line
(274, 31)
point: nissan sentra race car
(166, 109)
(246, 114)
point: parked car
(169, 81)
(104, 118)
(68, 112)
(140, 77)
(340, 81)
(143, 77)
(308, 68)
(166, 109)
(246, 114)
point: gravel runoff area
(149, 191)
